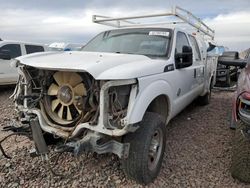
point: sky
(47, 21)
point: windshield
(142, 41)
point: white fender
(145, 96)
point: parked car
(118, 94)
(10, 50)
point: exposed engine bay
(73, 106)
(69, 98)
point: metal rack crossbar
(182, 14)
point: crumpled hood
(100, 65)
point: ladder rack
(185, 16)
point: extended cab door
(9, 74)
(198, 64)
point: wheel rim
(155, 149)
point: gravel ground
(197, 154)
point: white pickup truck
(118, 94)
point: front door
(184, 78)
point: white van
(10, 50)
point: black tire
(140, 165)
(205, 100)
(240, 168)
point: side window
(13, 49)
(33, 48)
(197, 54)
(181, 41)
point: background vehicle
(61, 46)
(226, 73)
(10, 50)
(119, 92)
(240, 120)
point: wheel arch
(156, 97)
(160, 105)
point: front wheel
(147, 146)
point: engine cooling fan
(64, 102)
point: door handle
(195, 73)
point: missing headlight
(118, 99)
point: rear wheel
(205, 100)
(240, 168)
(147, 146)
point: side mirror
(211, 47)
(184, 59)
(5, 56)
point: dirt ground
(197, 154)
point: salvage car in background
(226, 71)
(10, 50)
(119, 92)
(240, 120)
(61, 46)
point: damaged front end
(73, 109)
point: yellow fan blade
(54, 104)
(53, 89)
(66, 77)
(75, 79)
(58, 76)
(80, 90)
(60, 112)
(69, 116)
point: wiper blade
(118, 52)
